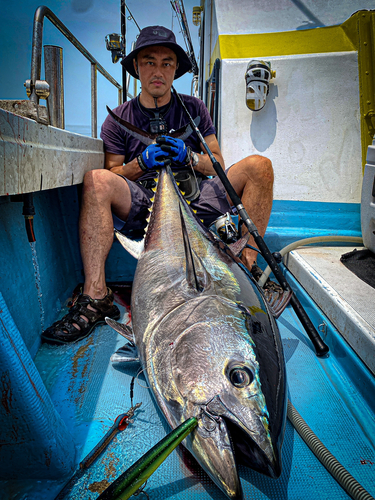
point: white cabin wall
(271, 16)
(309, 127)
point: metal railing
(36, 62)
(212, 96)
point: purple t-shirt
(118, 141)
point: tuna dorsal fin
(196, 275)
(135, 248)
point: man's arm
(204, 163)
(132, 170)
(114, 163)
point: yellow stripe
(330, 39)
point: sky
(89, 21)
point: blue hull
(85, 393)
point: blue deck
(334, 395)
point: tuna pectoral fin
(128, 353)
(135, 248)
(196, 274)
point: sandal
(63, 331)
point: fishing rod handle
(320, 346)
(321, 349)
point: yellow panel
(331, 39)
(360, 28)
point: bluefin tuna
(207, 341)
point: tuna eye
(241, 376)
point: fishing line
(240, 224)
(131, 17)
(138, 382)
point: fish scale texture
(89, 393)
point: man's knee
(100, 181)
(259, 168)
(98, 176)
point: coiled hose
(342, 476)
(307, 241)
(338, 471)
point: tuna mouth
(244, 441)
(248, 453)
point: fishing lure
(119, 425)
(138, 473)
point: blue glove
(175, 148)
(153, 157)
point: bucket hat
(157, 35)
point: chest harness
(189, 180)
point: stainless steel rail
(36, 61)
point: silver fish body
(208, 343)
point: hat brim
(184, 64)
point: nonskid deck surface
(90, 392)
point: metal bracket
(41, 88)
(370, 121)
(323, 328)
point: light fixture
(258, 75)
(197, 15)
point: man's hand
(154, 156)
(176, 150)
(164, 152)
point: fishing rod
(178, 7)
(320, 347)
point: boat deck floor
(89, 392)
(347, 300)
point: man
(119, 194)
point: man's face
(156, 69)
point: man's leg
(252, 179)
(103, 192)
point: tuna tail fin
(277, 301)
(196, 275)
(135, 248)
